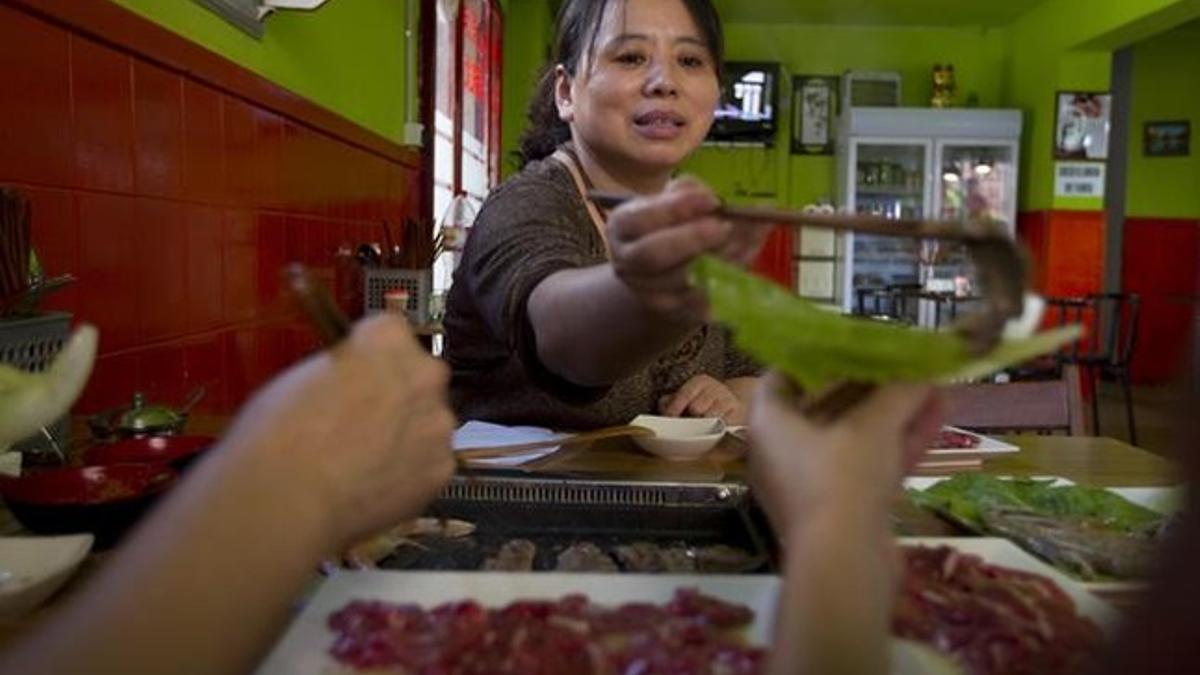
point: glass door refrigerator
(919, 163)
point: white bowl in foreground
(679, 439)
(32, 568)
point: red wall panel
(35, 119)
(176, 185)
(102, 93)
(1161, 262)
(158, 130)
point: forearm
(202, 588)
(592, 330)
(837, 593)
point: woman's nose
(662, 80)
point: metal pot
(142, 418)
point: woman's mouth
(659, 124)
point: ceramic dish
(303, 648)
(32, 568)
(679, 439)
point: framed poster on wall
(1167, 139)
(814, 107)
(1081, 125)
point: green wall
(777, 176)
(348, 56)
(1067, 45)
(528, 29)
(1165, 88)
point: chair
(1044, 407)
(1105, 352)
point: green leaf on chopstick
(817, 347)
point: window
(466, 111)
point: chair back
(1111, 324)
(1044, 406)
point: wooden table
(1093, 461)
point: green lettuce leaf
(817, 347)
(964, 496)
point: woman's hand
(652, 241)
(365, 427)
(797, 465)
(704, 396)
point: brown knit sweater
(530, 227)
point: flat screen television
(749, 106)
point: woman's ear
(564, 100)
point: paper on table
(475, 434)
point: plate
(987, 446)
(1165, 500)
(34, 567)
(922, 483)
(302, 649)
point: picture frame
(814, 113)
(1167, 138)
(1082, 123)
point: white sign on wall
(1079, 179)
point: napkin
(476, 434)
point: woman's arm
(328, 453)
(594, 326)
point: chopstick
(494, 451)
(954, 230)
(318, 306)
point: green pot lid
(142, 416)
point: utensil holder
(30, 344)
(417, 282)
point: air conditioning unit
(249, 14)
(870, 88)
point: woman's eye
(692, 62)
(631, 58)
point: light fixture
(950, 175)
(983, 168)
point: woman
(564, 316)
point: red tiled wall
(1161, 262)
(1067, 250)
(176, 202)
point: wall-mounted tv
(748, 110)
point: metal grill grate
(599, 493)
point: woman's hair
(575, 34)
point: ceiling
(876, 12)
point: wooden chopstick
(954, 230)
(494, 451)
(318, 306)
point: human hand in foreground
(366, 426)
(653, 239)
(797, 465)
(704, 396)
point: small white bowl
(32, 568)
(679, 439)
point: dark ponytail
(576, 27)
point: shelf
(889, 191)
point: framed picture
(814, 107)
(1081, 125)
(1168, 139)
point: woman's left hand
(704, 396)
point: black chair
(1111, 320)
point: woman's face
(644, 98)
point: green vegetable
(816, 347)
(963, 497)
